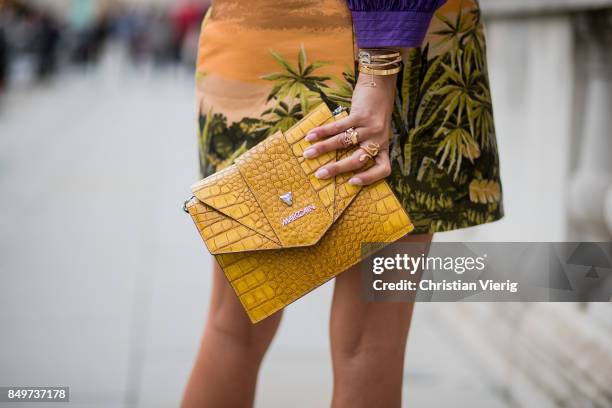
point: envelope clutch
(277, 231)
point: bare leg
(225, 371)
(368, 341)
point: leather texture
(273, 253)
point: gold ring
(365, 157)
(349, 138)
(371, 148)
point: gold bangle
(365, 58)
(394, 62)
(379, 50)
(381, 72)
(367, 61)
(370, 56)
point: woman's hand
(370, 115)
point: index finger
(330, 129)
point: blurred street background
(104, 282)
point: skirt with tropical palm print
(263, 64)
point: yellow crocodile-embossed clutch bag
(277, 231)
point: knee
(241, 334)
(363, 363)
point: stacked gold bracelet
(379, 62)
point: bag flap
(271, 193)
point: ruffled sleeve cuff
(392, 24)
(390, 28)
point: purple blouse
(392, 23)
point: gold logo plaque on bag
(287, 198)
(272, 254)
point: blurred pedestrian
(45, 45)
(4, 58)
(160, 36)
(186, 19)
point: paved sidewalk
(105, 283)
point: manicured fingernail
(311, 137)
(356, 181)
(308, 153)
(322, 174)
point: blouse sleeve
(392, 23)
